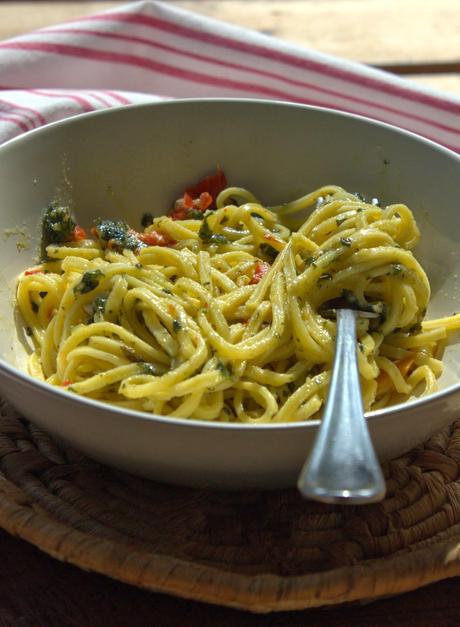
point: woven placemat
(260, 551)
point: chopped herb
(147, 368)
(177, 325)
(207, 236)
(396, 269)
(257, 216)
(268, 251)
(310, 261)
(360, 196)
(194, 214)
(29, 331)
(118, 234)
(340, 220)
(166, 291)
(89, 282)
(361, 346)
(57, 227)
(146, 220)
(415, 328)
(224, 369)
(346, 241)
(139, 266)
(359, 209)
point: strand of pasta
(226, 323)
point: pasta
(215, 313)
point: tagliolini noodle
(225, 323)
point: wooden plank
(449, 82)
(17, 18)
(373, 31)
(387, 32)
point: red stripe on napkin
(148, 51)
(276, 55)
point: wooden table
(420, 38)
(417, 37)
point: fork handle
(343, 467)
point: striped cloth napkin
(147, 51)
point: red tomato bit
(199, 197)
(212, 184)
(36, 271)
(260, 271)
(78, 234)
(205, 200)
(187, 201)
(155, 238)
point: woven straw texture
(259, 551)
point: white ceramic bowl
(122, 162)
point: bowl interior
(123, 162)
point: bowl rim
(387, 412)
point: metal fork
(343, 467)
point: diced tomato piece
(205, 201)
(36, 271)
(199, 197)
(272, 238)
(185, 204)
(66, 382)
(212, 184)
(178, 213)
(78, 234)
(260, 271)
(187, 201)
(180, 210)
(155, 238)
